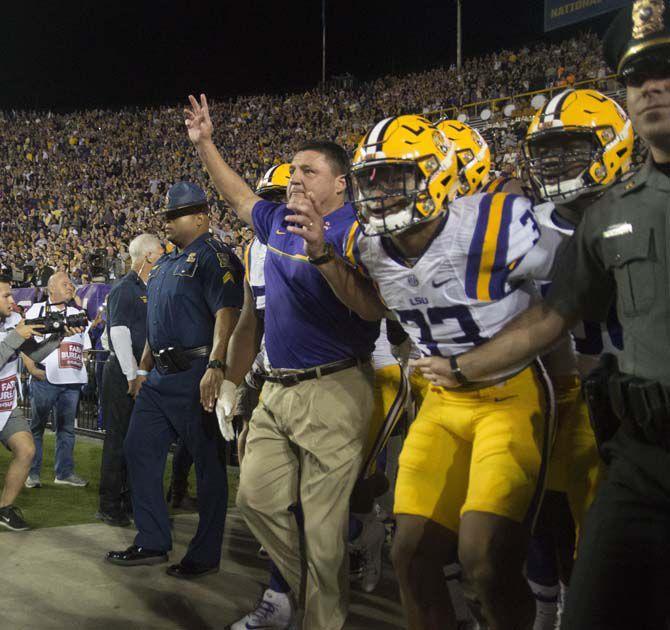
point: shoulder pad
(469, 204)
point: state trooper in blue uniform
(194, 296)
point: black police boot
(135, 556)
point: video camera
(57, 321)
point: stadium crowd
(81, 184)
(421, 316)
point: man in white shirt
(59, 388)
(127, 321)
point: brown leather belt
(298, 376)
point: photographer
(60, 386)
(15, 434)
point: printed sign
(7, 393)
(558, 13)
(71, 355)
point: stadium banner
(559, 13)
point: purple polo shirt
(305, 323)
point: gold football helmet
(579, 143)
(473, 155)
(404, 172)
(272, 186)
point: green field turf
(53, 506)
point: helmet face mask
(577, 145)
(276, 195)
(558, 163)
(384, 195)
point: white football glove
(225, 407)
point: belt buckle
(289, 380)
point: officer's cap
(185, 198)
(640, 33)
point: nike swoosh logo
(437, 285)
(280, 232)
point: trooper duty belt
(172, 360)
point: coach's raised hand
(198, 121)
(308, 223)
(229, 184)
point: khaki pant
(305, 445)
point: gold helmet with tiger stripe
(404, 172)
(272, 186)
(580, 142)
(473, 155)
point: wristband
(142, 373)
(456, 371)
(326, 257)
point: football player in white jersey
(578, 144)
(453, 272)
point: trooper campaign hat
(639, 37)
(184, 198)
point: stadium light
(538, 101)
(459, 40)
(323, 43)
(509, 110)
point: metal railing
(473, 110)
(89, 415)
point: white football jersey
(254, 265)
(254, 273)
(591, 339)
(473, 278)
(382, 356)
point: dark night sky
(60, 53)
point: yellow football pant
(477, 450)
(574, 466)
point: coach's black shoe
(12, 518)
(114, 520)
(189, 571)
(134, 556)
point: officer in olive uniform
(622, 575)
(619, 253)
(194, 295)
